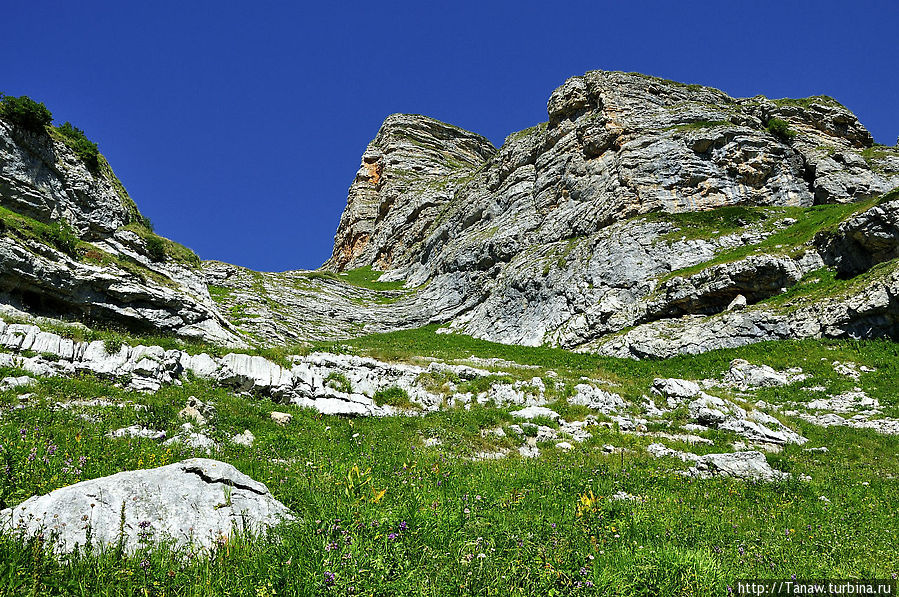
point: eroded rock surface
(569, 233)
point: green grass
(824, 284)
(807, 102)
(339, 382)
(162, 248)
(700, 125)
(780, 128)
(449, 526)
(84, 148)
(786, 241)
(61, 236)
(393, 396)
(57, 234)
(877, 152)
(633, 378)
(706, 224)
(538, 129)
(362, 277)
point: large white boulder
(193, 503)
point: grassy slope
(790, 240)
(684, 537)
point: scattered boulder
(745, 375)
(851, 401)
(529, 451)
(663, 451)
(756, 426)
(281, 418)
(197, 412)
(597, 399)
(738, 304)
(192, 504)
(884, 425)
(138, 431)
(533, 412)
(675, 390)
(191, 439)
(495, 432)
(496, 455)
(11, 383)
(750, 465)
(244, 439)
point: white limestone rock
(244, 439)
(533, 412)
(193, 504)
(138, 431)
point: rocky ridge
(645, 218)
(588, 232)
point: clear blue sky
(238, 127)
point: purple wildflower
(330, 577)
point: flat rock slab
(193, 503)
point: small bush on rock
(780, 129)
(62, 236)
(26, 113)
(156, 248)
(83, 147)
(393, 396)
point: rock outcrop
(74, 245)
(409, 173)
(749, 465)
(645, 218)
(329, 383)
(195, 503)
(863, 241)
(588, 231)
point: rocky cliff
(645, 218)
(74, 245)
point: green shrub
(393, 396)
(83, 147)
(156, 248)
(60, 235)
(780, 129)
(25, 112)
(339, 382)
(113, 343)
